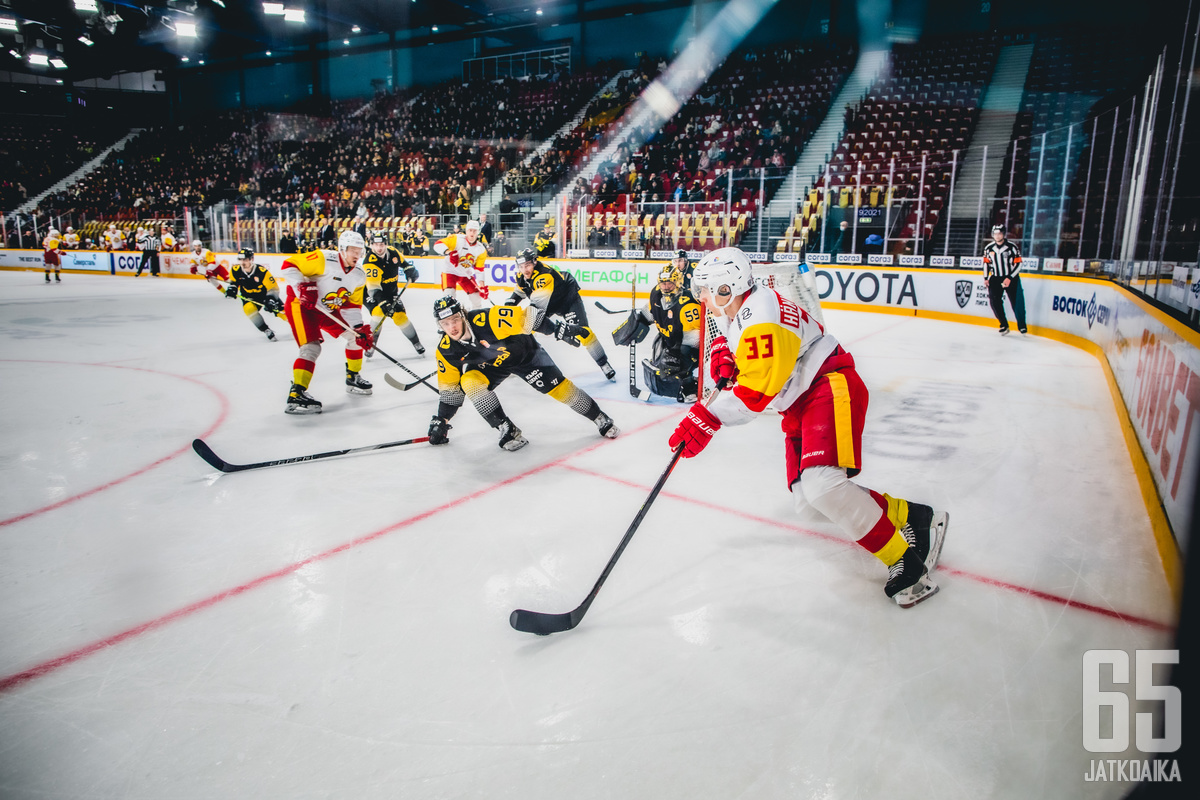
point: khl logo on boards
(962, 292)
(1101, 707)
(1093, 311)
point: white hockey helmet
(350, 239)
(728, 266)
(54, 232)
(70, 229)
(472, 225)
(197, 243)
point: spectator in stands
(485, 228)
(841, 242)
(327, 236)
(287, 242)
(502, 247)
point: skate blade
(920, 591)
(514, 445)
(301, 410)
(356, 390)
(937, 535)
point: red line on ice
(16, 679)
(1053, 598)
(117, 481)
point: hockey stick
(543, 623)
(404, 387)
(214, 461)
(600, 306)
(633, 390)
(376, 331)
(321, 307)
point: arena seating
(36, 152)
(1069, 78)
(755, 111)
(924, 105)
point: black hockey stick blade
(404, 387)
(213, 460)
(601, 306)
(543, 623)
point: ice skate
(608, 428)
(510, 436)
(270, 335)
(908, 580)
(301, 402)
(357, 384)
(609, 372)
(926, 531)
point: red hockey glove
(453, 256)
(308, 295)
(483, 290)
(695, 431)
(720, 361)
(363, 336)
(193, 270)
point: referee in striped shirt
(1002, 270)
(150, 244)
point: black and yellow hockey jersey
(679, 323)
(255, 284)
(499, 340)
(383, 275)
(547, 289)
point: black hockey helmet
(681, 254)
(528, 254)
(245, 253)
(446, 307)
(379, 238)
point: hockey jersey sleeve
(691, 317)
(539, 299)
(766, 355)
(448, 244)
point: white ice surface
(339, 629)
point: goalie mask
(670, 275)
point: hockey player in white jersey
(323, 281)
(783, 359)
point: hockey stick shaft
(633, 390)
(404, 387)
(543, 623)
(321, 307)
(216, 462)
(601, 306)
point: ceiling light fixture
(220, 3)
(185, 29)
(273, 8)
(356, 29)
(435, 28)
(58, 63)
(8, 24)
(39, 59)
(538, 12)
(345, 41)
(86, 5)
(14, 54)
(86, 40)
(184, 59)
(293, 15)
(268, 52)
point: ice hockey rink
(339, 628)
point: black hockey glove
(388, 307)
(439, 431)
(411, 273)
(231, 290)
(273, 305)
(566, 332)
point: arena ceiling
(101, 37)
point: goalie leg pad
(659, 382)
